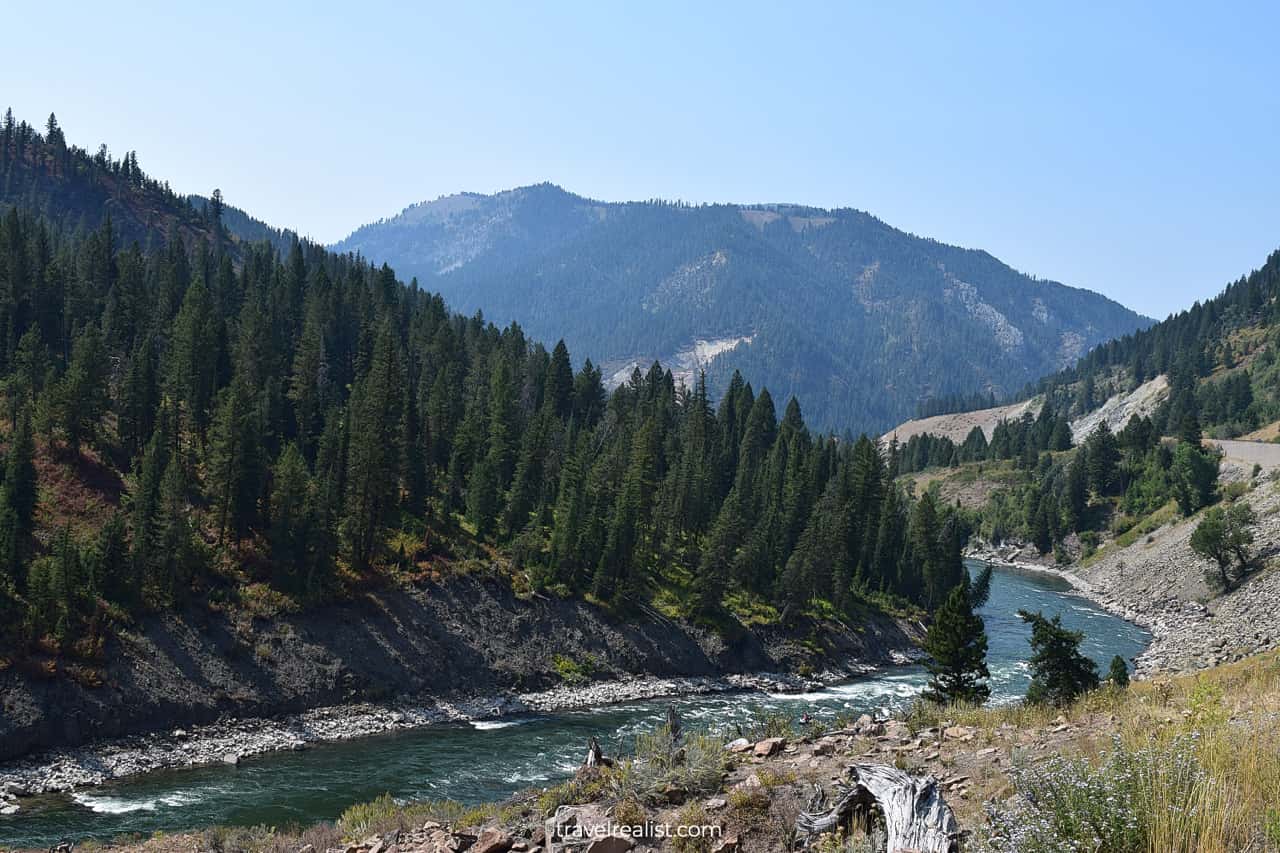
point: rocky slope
(1115, 412)
(466, 639)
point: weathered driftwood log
(916, 818)
(595, 755)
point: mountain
(860, 321)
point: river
(490, 760)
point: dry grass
(1196, 759)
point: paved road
(1249, 452)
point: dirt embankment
(1116, 412)
(958, 426)
(468, 637)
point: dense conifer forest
(278, 417)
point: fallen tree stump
(595, 755)
(915, 817)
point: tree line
(308, 415)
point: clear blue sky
(1134, 151)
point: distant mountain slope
(861, 321)
(1221, 357)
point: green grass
(575, 671)
(1141, 527)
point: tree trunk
(915, 816)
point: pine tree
(82, 392)
(559, 384)
(235, 466)
(1119, 672)
(957, 647)
(139, 399)
(192, 361)
(1059, 672)
(292, 524)
(19, 491)
(373, 455)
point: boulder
(728, 844)
(611, 844)
(739, 745)
(958, 733)
(492, 840)
(769, 747)
(442, 841)
(575, 827)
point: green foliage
(1118, 674)
(1069, 804)
(957, 647)
(574, 671)
(1059, 672)
(1194, 474)
(1225, 537)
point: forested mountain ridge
(1222, 357)
(205, 423)
(77, 191)
(877, 321)
(1139, 408)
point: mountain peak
(858, 319)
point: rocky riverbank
(1157, 582)
(230, 741)
(468, 639)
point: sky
(1129, 149)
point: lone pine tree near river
(302, 416)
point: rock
(728, 844)
(9, 808)
(14, 789)
(611, 844)
(492, 840)
(571, 826)
(769, 747)
(440, 841)
(958, 733)
(231, 758)
(897, 729)
(823, 747)
(307, 848)
(715, 804)
(739, 745)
